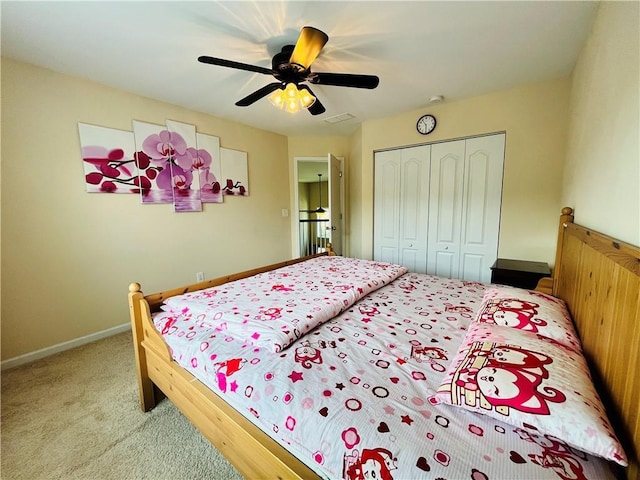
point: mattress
(353, 397)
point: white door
(386, 206)
(464, 207)
(401, 194)
(484, 166)
(445, 208)
(336, 206)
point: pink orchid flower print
(169, 163)
(113, 170)
(164, 146)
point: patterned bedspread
(275, 308)
(352, 398)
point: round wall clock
(426, 124)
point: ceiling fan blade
(258, 94)
(316, 107)
(344, 80)
(231, 64)
(308, 47)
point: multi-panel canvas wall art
(169, 163)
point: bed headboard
(599, 278)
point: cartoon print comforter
(275, 308)
(351, 398)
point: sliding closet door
(401, 194)
(464, 207)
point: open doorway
(319, 204)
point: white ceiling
(418, 49)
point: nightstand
(519, 273)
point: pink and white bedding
(356, 395)
(530, 311)
(275, 308)
(530, 381)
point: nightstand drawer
(518, 273)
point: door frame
(295, 217)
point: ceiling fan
(291, 67)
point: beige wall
(602, 173)
(354, 189)
(69, 256)
(534, 118)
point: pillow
(530, 382)
(531, 311)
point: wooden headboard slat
(599, 279)
(622, 253)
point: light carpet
(75, 415)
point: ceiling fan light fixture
(291, 98)
(291, 91)
(306, 99)
(291, 106)
(310, 42)
(277, 98)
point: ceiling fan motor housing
(284, 70)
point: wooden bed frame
(596, 275)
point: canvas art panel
(210, 170)
(108, 159)
(154, 152)
(185, 168)
(235, 174)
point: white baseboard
(61, 347)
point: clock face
(426, 124)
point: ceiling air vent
(339, 118)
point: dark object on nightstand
(519, 273)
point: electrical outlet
(200, 276)
(285, 212)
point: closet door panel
(387, 254)
(482, 202)
(445, 264)
(472, 268)
(445, 208)
(386, 222)
(475, 200)
(401, 197)
(414, 191)
(410, 192)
